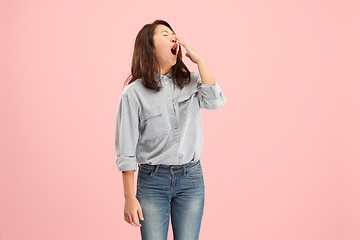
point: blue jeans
(176, 190)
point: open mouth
(174, 49)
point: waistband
(172, 168)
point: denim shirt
(163, 127)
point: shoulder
(131, 89)
(195, 77)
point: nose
(173, 39)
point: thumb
(140, 214)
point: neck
(165, 71)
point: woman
(159, 130)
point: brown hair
(144, 62)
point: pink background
(280, 159)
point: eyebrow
(166, 31)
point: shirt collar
(159, 77)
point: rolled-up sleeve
(126, 134)
(211, 97)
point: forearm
(205, 74)
(128, 180)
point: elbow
(214, 103)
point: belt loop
(184, 169)
(156, 168)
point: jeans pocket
(145, 172)
(194, 172)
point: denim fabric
(163, 127)
(171, 190)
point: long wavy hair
(144, 62)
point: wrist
(129, 196)
(200, 61)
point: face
(164, 40)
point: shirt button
(169, 98)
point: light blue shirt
(163, 127)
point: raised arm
(210, 92)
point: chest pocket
(154, 124)
(189, 102)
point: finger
(126, 218)
(177, 51)
(141, 214)
(131, 220)
(135, 219)
(179, 40)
